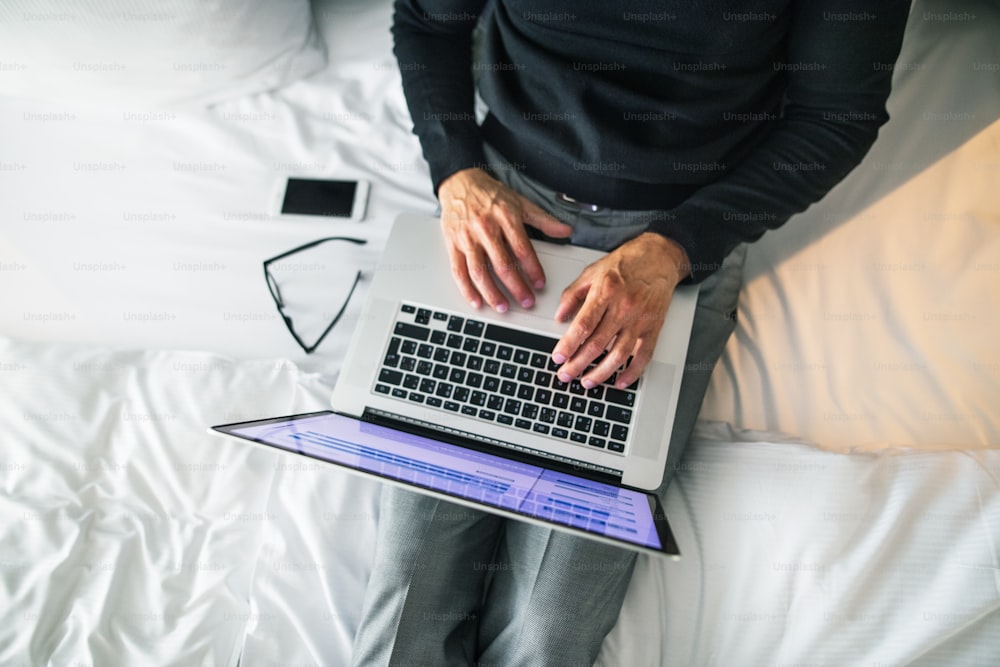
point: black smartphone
(325, 198)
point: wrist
(674, 255)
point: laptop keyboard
(500, 375)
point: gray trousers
(456, 586)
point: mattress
(839, 505)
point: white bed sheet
(182, 204)
(132, 536)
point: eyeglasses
(272, 285)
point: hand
(483, 223)
(620, 302)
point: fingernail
(501, 307)
(558, 358)
(474, 304)
(539, 284)
(527, 303)
(588, 384)
(564, 377)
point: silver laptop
(465, 404)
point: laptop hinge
(493, 446)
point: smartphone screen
(307, 196)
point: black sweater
(729, 120)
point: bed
(840, 503)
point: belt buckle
(584, 206)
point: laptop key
(428, 386)
(440, 371)
(469, 410)
(383, 388)
(458, 358)
(407, 308)
(532, 341)
(538, 360)
(434, 401)
(443, 390)
(391, 360)
(543, 378)
(455, 323)
(408, 363)
(425, 351)
(474, 363)
(559, 433)
(578, 437)
(505, 352)
(494, 402)
(390, 377)
(576, 388)
(616, 446)
(618, 414)
(583, 423)
(512, 406)
(529, 411)
(473, 328)
(415, 397)
(457, 376)
(560, 400)
(488, 348)
(411, 382)
(423, 316)
(525, 375)
(424, 367)
(454, 341)
(522, 423)
(478, 398)
(540, 428)
(461, 394)
(595, 409)
(441, 354)
(440, 317)
(488, 415)
(619, 432)
(408, 346)
(508, 370)
(412, 331)
(619, 396)
(565, 419)
(525, 392)
(508, 388)
(595, 392)
(505, 419)
(438, 337)
(492, 367)
(577, 404)
(547, 415)
(398, 393)
(522, 357)
(596, 442)
(601, 428)
(451, 406)
(543, 396)
(470, 345)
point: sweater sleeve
(433, 47)
(839, 63)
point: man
(669, 134)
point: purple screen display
(522, 488)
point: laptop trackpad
(560, 271)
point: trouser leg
(423, 600)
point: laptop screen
(493, 482)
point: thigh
(426, 585)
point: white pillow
(164, 53)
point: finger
(527, 260)
(573, 298)
(543, 221)
(641, 357)
(619, 352)
(588, 336)
(460, 272)
(505, 268)
(479, 273)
